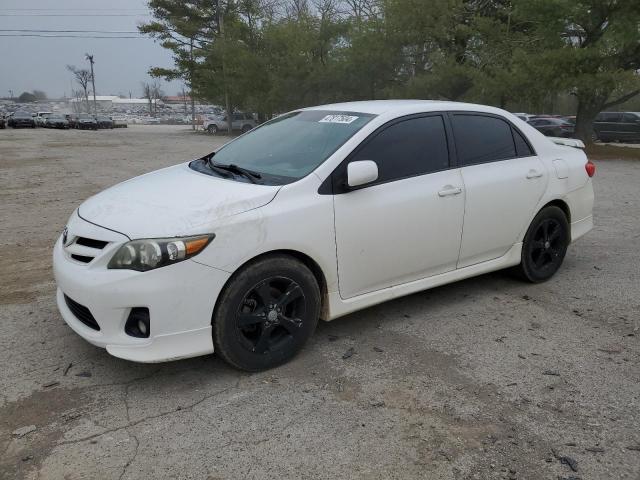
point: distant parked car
(119, 122)
(553, 127)
(620, 126)
(87, 122)
(242, 122)
(72, 118)
(22, 120)
(104, 121)
(41, 118)
(524, 116)
(56, 121)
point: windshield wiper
(216, 168)
(233, 168)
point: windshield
(291, 146)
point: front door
(407, 224)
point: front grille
(82, 313)
(91, 243)
(81, 258)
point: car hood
(174, 201)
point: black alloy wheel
(266, 313)
(545, 245)
(270, 315)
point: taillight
(590, 167)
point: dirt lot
(487, 378)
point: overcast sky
(28, 63)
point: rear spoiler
(567, 142)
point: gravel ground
(487, 378)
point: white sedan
(318, 213)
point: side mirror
(361, 172)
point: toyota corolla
(315, 214)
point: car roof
(379, 107)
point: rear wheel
(545, 245)
(246, 128)
(266, 313)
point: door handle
(449, 190)
(533, 174)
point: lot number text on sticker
(338, 119)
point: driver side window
(411, 147)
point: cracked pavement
(449, 383)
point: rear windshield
(291, 146)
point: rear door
(610, 124)
(407, 224)
(504, 181)
(237, 120)
(630, 126)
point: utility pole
(93, 83)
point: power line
(74, 15)
(72, 8)
(67, 36)
(66, 31)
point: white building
(108, 102)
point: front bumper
(180, 299)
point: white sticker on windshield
(338, 119)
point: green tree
(40, 95)
(185, 28)
(590, 48)
(27, 97)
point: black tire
(545, 245)
(266, 313)
(246, 128)
(212, 129)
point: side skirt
(339, 307)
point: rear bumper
(180, 299)
(581, 227)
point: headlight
(143, 255)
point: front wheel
(212, 129)
(545, 245)
(266, 313)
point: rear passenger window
(611, 117)
(411, 147)
(522, 147)
(481, 139)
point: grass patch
(612, 152)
